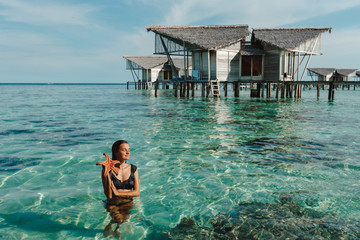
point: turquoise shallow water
(197, 158)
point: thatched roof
(322, 71)
(202, 37)
(247, 50)
(148, 62)
(358, 73)
(346, 72)
(287, 38)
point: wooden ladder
(215, 88)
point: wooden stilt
(225, 89)
(268, 90)
(318, 91)
(175, 85)
(184, 89)
(277, 90)
(192, 89)
(127, 85)
(236, 86)
(207, 90)
(331, 91)
(287, 89)
(262, 89)
(282, 95)
(188, 90)
(156, 88)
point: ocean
(246, 168)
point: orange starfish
(109, 165)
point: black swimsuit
(128, 183)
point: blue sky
(84, 41)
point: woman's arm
(127, 193)
(106, 184)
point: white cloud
(45, 12)
(65, 49)
(261, 13)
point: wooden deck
(259, 88)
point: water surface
(197, 158)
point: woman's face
(124, 152)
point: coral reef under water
(285, 219)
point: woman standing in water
(120, 188)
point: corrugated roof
(204, 37)
(287, 38)
(346, 72)
(322, 71)
(148, 62)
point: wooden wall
(227, 65)
(155, 74)
(272, 65)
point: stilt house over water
(222, 52)
(321, 74)
(148, 69)
(287, 51)
(344, 75)
(214, 49)
(332, 74)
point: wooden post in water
(156, 88)
(258, 89)
(331, 91)
(268, 90)
(202, 89)
(236, 89)
(184, 89)
(188, 90)
(287, 89)
(290, 89)
(262, 89)
(127, 85)
(277, 90)
(175, 85)
(207, 89)
(192, 89)
(225, 89)
(318, 91)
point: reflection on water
(119, 210)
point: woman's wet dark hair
(115, 148)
